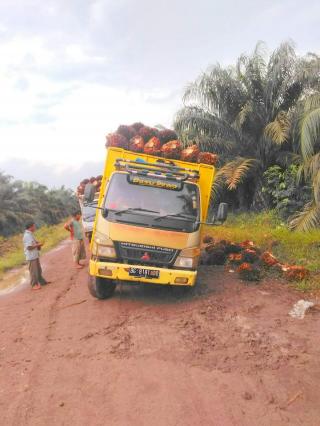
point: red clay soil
(224, 354)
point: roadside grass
(11, 249)
(268, 232)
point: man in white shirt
(31, 251)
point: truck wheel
(101, 288)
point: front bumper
(120, 271)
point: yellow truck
(148, 221)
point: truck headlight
(105, 251)
(184, 262)
(103, 246)
(188, 258)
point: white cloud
(81, 122)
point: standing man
(31, 251)
(76, 234)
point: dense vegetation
(261, 113)
(24, 201)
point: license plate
(143, 273)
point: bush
(286, 196)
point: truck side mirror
(222, 212)
(89, 193)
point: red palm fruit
(127, 131)
(246, 244)
(296, 272)
(136, 144)
(153, 146)
(268, 258)
(116, 140)
(190, 154)
(167, 135)
(137, 126)
(172, 149)
(147, 133)
(207, 158)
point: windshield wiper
(137, 209)
(178, 215)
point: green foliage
(309, 144)
(286, 195)
(21, 202)
(257, 109)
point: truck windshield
(152, 206)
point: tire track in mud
(26, 402)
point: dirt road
(224, 354)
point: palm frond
(218, 185)
(286, 158)
(204, 123)
(308, 219)
(239, 172)
(246, 109)
(234, 172)
(316, 186)
(312, 102)
(278, 130)
(309, 167)
(280, 71)
(310, 132)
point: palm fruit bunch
(172, 149)
(295, 272)
(140, 138)
(268, 259)
(249, 272)
(137, 126)
(250, 255)
(235, 258)
(147, 133)
(167, 135)
(117, 140)
(190, 154)
(153, 146)
(127, 131)
(136, 144)
(207, 158)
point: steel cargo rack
(160, 169)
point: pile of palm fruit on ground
(96, 181)
(162, 143)
(248, 260)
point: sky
(71, 71)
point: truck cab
(148, 221)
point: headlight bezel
(103, 246)
(188, 258)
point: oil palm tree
(247, 111)
(308, 127)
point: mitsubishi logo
(146, 256)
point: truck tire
(101, 288)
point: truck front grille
(142, 254)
